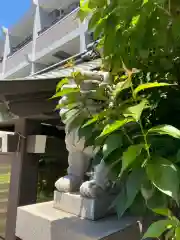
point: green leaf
(59, 106)
(95, 118)
(158, 200)
(145, 86)
(112, 142)
(97, 158)
(110, 36)
(64, 92)
(158, 228)
(115, 126)
(161, 1)
(92, 120)
(92, 4)
(178, 156)
(61, 83)
(114, 158)
(147, 190)
(67, 113)
(175, 27)
(145, 1)
(177, 233)
(83, 13)
(77, 76)
(130, 191)
(170, 234)
(91, 141)
(94, 19)
(96, 94)
(135, 20)
(68, 116)
(136, 110)
(86, 131)
(121, 86)
(163, 211)
(130, 155)
(76, 120)
(68, 105)
(138, 207)
(99, 29)
(166, 130)
(84, 3)
(96, 3)
(164, 175)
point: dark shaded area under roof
(29, 97)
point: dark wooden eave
(29, 99)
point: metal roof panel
(66, 72)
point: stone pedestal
(87, 208)
(42, 221)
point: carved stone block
(88, 208)
(42, 221)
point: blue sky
(12, 10)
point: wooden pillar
(24, 176)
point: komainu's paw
(91, 190)
(68, 183)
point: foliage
(169, 227)
(139, 41)
(50, 169)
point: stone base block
(43, 222)
(88, 208)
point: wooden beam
(6, 158)
(24, 168)
(28, 96)
(41, 144)
(32, 107)
(8, 142)
(37, 144)
(24, 177)
(41, 119)
(26, 86)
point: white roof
(66, 72)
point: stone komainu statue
(79, 158)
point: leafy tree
(137, 126)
